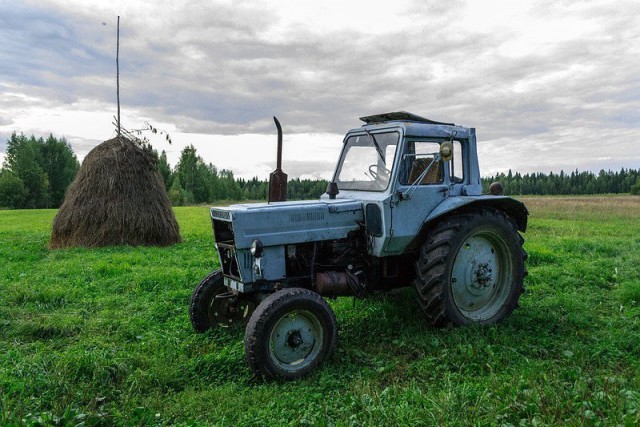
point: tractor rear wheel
(471, 269)
(290, 334)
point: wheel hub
(294, 339)
(482, 275)
(231, 311)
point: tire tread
(431, 279)
(256, 333)
(199, 303)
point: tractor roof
(402, 116)
(415, 126)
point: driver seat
(434, 176)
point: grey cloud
(49, 49)
(4, 137)
(82, 146)
(212, 69)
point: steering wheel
(373, 170)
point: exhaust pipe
(278, 179)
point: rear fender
(514, 209)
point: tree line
(193, 181)
(574, 183)
(36, 173)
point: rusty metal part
(278, 179)
(333, 283)
(231, 309)
(332, 190)
(340, 283)
(279, 156)
(496, 189)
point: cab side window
(419, 157)
(457, 164)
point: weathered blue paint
(499, 202)
(284, 223)
(278, 225)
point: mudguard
(512, 207)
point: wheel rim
(296, 340)
(227, 312)
(481, 276)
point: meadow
(102, 337)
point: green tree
(635, 190)
(193, 175)
(13, 193)
(229, 187)
(24, 160)
(165, 170)
(60, 164)
(46, 168)
(176, 193)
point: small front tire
(203, 294)
(290, 333)
(209, 307)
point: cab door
(422, 184)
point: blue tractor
(404, 208)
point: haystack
(117, 198)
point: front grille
(222, 231)
(228, 260)
(247, 260)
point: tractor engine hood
(284, 223)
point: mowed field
(102, 336)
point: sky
(548, 84)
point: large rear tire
(290, 333)
(471, 269)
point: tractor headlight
(256, 248)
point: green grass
(102, 336)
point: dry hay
(117, 198)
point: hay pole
(118, 75)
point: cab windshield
(367, 161)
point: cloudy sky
(549, 85)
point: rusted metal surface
(333, 283)
(332, 190)
(496, 189)
(278, 179)
(350, 282)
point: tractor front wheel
(471, 269)
(212, 304)
(289, 334)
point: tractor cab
(402, 166)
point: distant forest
(36, 173)
(193, 181)
(605, 182)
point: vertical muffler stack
(278, 179)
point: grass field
(103, 337)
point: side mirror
(446, 151)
